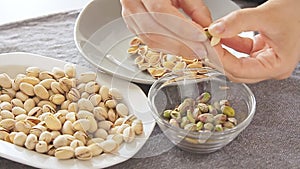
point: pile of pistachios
(200, 115)
(64, 115)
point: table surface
(272, 140)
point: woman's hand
(163, 27)
(274, 52)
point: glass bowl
(170, 90)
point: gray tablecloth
(272, 140)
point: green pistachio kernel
(204, 97)
(199, 125)
(167, 114)
(190, 116)
(227, 110)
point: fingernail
(216, 28)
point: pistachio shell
(73, 107)
(66, 84)
(36, 111)
(71, 116)
(64, 153)
(80, 135)
(111, 103)
(94, 140)
(65, 105)
(116, 137)
(46, 102)
(137, 126)
(37, 130)
(73, 95)
(46, 75)
(128, 134)
(111, 115)
(58, 72)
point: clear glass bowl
(170, 90)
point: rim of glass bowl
(211, 73)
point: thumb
(242, 20)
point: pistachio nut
(37, 130)
(22, 126)
(5, 98)
(33, 71)
(64, 153)
(57, 99)
(109, 146)
(71, 116)
(128, 134)
(5, 81)
(209, 126)
(56, 88)
(41, 147)
(46, 136)
(5, 106)
(101, 133)
(80, 135)
(46, 75)
(95, 149)
(46, 83)
(52, 122)
(100, 113)
(92, 87)
(20, 138)
(27, 88)
(76, 143)
(70, 70)
(85, 104)
(7, 124)
(122, 110)
(17, 102)
(21, 96)
(227, 110)
(104, 92)
(18, 110)
(111, 115)
(95, 99)
(218, 127)
(29, 104)
(36, 111)
(63, 140)
(83, 153)
(105, 124)
(65, 105)
(73, 107)
(6, 114)
(73, 95)
(118, 122)
(204, 97)
(67, 128)
(87, 77)
(81, 125)
(41, 91)
(137, 126)
(58, 72)
(31, 141)
(115, 94)
(118, 138)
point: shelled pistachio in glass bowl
(200, 110)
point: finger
(263, 66)
(197, 10)
(240, 44)
(250, 19)
(169, 17)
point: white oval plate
(103, 39)
(134, 98)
